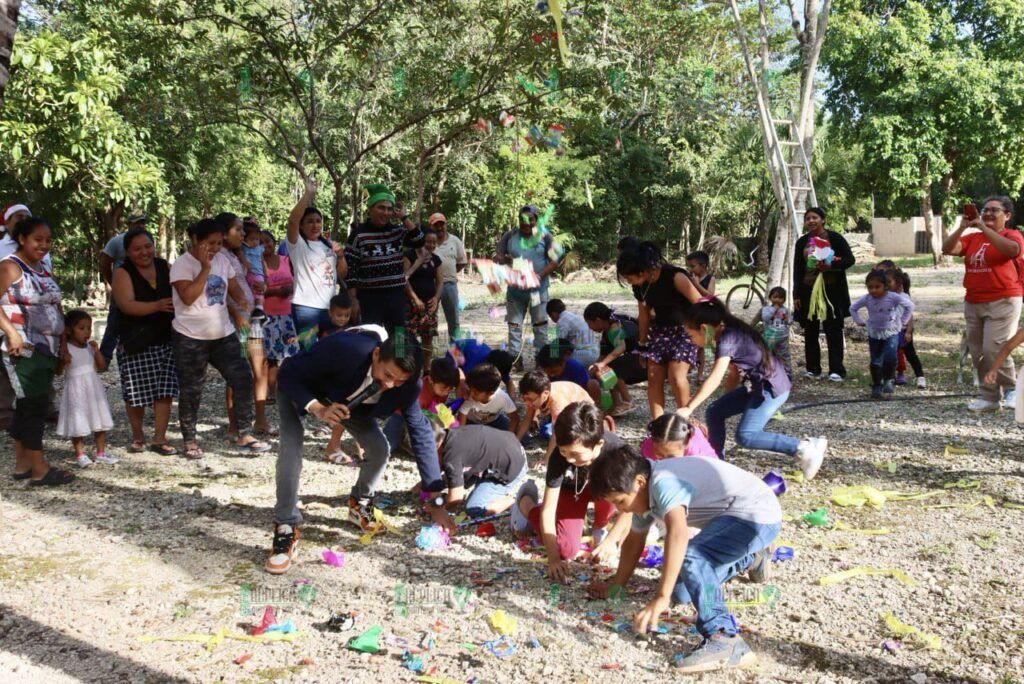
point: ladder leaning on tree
(788, 159)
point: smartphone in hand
(970, 211)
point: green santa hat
(377, 192)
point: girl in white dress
(83, 405)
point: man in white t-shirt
(453, 259)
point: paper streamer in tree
(462, 78)
(555, 9)
(529, 86)
(616, 80)
(244, 83)
(551, 83)
(399, 83)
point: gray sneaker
(760, 568)
(716, 653)
(887, 387)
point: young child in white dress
(83, 405)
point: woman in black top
(837, 291)
(142, 292)
(423, 288)
(664, 293)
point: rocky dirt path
(161, 547)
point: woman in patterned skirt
(142, 293)
(664, 293)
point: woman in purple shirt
(764, 388)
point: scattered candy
(500, 648)
(818, 518)
(782, 554)
(653, 556)
(503, 623)
(368, 641)
(776, 482)
(245, 657)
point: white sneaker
(983, 405)
(105, 458)
(835, 377)
(1009, 399)
(922, 383)
(812, 376)
(811, 453)
(83, 460)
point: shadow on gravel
(51, 648)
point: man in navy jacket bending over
(322, 381)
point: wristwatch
(439, 501)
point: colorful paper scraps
(506, 119)
(817, 518)
(839, 577)
(368, 641)
(380, 525)
(413, 663)
(929, 641)
(209, 641)
(503, 623)
(244, 83)
(775, 482)
(963, 483)
(616, 80)
(527, 85)
(433, 538)
(266, 621)
(796, 476)
(554, 137)
(398, 76)
(244, 658)
(484, 126)
(486, 529)
(782, 554)
(500, 648)
(334, 558)
(652, 557)
(520, 275)
(885, 465)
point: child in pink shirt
(671, 435)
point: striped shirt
(374, 255)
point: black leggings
(912, 358)
(29, 421)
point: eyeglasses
(992, 210)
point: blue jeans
(486, 492)
(307, 317)
(757, 410)
(500, 422)
(883, 355)
(450, 306)
(517, 304)
(722, 550)
(111, 333)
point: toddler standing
(83, 405)
(888, 313)
(899, 281)
(252, 248)
(777, 320)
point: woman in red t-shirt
(992, 303)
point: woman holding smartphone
(992, 301)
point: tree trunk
(9, 10)
(934, 243)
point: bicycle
(746, 300)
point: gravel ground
(162, 547)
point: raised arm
(295, 218)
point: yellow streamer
(838, 577)
(767, 596)
(555, 7)
(840, 525)
(930, 641)
(818, 308)
(864, 494)
(209, 641)
(380, 525)
(952, 451)
(795, 477)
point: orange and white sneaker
(286, 537)
(359, 514)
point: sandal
(164, 449)
(53, 477)
(136, 447)
(193, 453)
(339, 457)
(253, 447)
(22, 476)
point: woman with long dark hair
(664, 293)
(32, 324)
(318, 264)
(765, 387)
